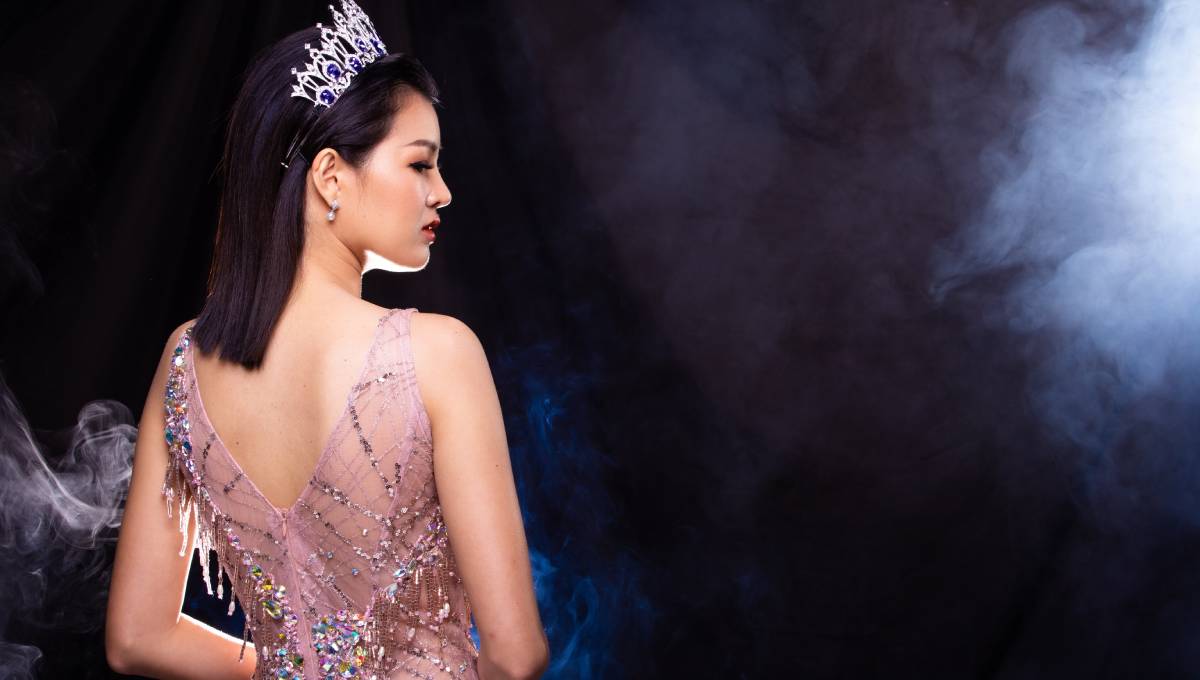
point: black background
(696, 242)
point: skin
(325, 328)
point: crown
(345, 49)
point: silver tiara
(345, 49)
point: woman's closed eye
(422, 166)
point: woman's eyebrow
(433, 146)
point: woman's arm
(189, 649)
(475, 486)
(145, 632)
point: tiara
(345, 49)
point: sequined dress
(357, 578)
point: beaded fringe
(184, 489)
(394, 613)
(176, 488)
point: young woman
(348, 463)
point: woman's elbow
(121, 646)
(537, 665)
(533, 669)
(117, 640)
(114, 654)
(530, 663)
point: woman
(295, 429)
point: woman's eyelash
(425, 166)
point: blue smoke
(588, 590)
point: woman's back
(337, 549)
(275, 421)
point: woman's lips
(428, 230)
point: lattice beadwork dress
(357, 578)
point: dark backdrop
(773, 294)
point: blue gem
(327, 97)
(378, 48)
(333, 70)
(361, 45)
(355, 64)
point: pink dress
(357, 578)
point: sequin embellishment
(286, 662)
(338, 641)
(371, 584)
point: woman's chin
(375, 260)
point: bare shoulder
(173, 341)
(447, 352)
(442, 342)
(442, 332)
(177, 334)
(151, 410)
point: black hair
(260, 224)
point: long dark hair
(260, 226)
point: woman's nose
(444, 195)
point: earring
(332, 209)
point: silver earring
(330, 215)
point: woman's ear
(325, 171)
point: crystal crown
(345, 49)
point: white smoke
(1094, 221)
(56, 521)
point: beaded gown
(357, 578)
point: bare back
(277, 421)
(351, 566)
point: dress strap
(408, 369)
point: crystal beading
(390, 597)
(344, 50)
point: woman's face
(384, 205)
